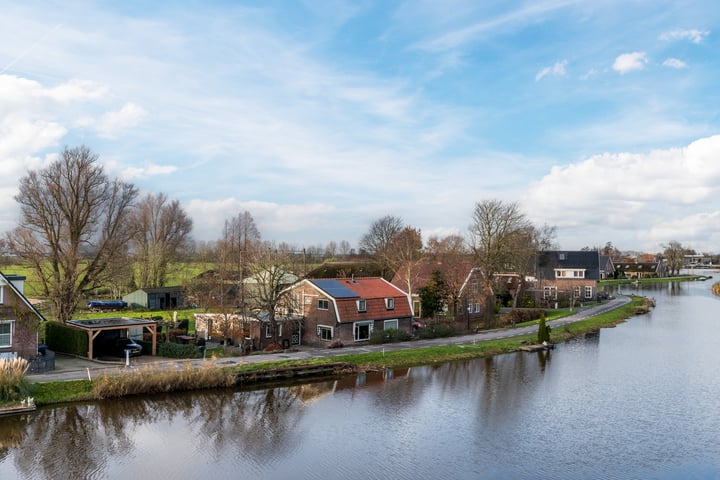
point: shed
(159, 298)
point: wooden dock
(15, 410)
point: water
(638, 401)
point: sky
(601, 118)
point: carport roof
(109, 323)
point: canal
(641, 400)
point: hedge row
(62, 338)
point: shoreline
(226, 373)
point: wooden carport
(93, 327)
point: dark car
(123, 343)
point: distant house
(19, 320)
(347, 309)
(607, 267)
(641, 269)
(160, 298)
(465, 281)
(249, 330)
(565, 277)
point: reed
(12, 378)
(151, 379)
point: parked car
(124, 343)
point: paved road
(71, 368)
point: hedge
(62, 338)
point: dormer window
(390, 303)
(362, 306)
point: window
(569, 273)
(390, 303)
(325, 332)
(477, 308)
(576, 292)
(550, 293)
(1, 294)
(6, 330)
(390, 324)
(268, 331)
(362, 305)
(362, 331)
(475, 287)
(323, 304)
(588, 292)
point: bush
(177, 350)
(273, 347)
(336, 344)
(62, 338)
(12, 378)
(522, 315)
(436, 331)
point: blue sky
(599, 117)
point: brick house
(19, 319)
(565, 278)
(466, 282)
(347, 309)
(641, 269)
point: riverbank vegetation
(153, 380)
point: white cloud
(129, 173)
(627, 62)
(112, 124)
(275, 221)
(674, 63)
(694, 35)
(557, 70)
(634, 195)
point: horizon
(319, 118)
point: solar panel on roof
(335, 288)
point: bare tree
(675, 256)
(344, 248)
(74, 218)
(451, 251)
(406, 250)
(160, 228)
(494, 234)
(239, 246)
(379, 237)
(269, 278)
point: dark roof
(21, 295)
(589, 261)
(334, 288)
(161, 289)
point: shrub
(521, 315)
(12, 378)
(177, 350)
(62, 338)
(273, 347)
(336, 344)
(436, 331)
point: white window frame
(576, 291)
(2, 291)
(325, 328)
(362, 305)
(327, 304)
(477, 308)
(588, 291)
(550, 292)
(369, 323)
(268, 332)
(390, 303)
(9, 335)
(394, 324)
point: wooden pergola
(93, 327)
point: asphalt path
(73, 368)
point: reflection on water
(635, 401)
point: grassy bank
(153, 381)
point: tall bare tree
(239, 246)
(675, 256)
(494, 233)
(73, 219)
(378, 239)
(406, 250)
(160, 228)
